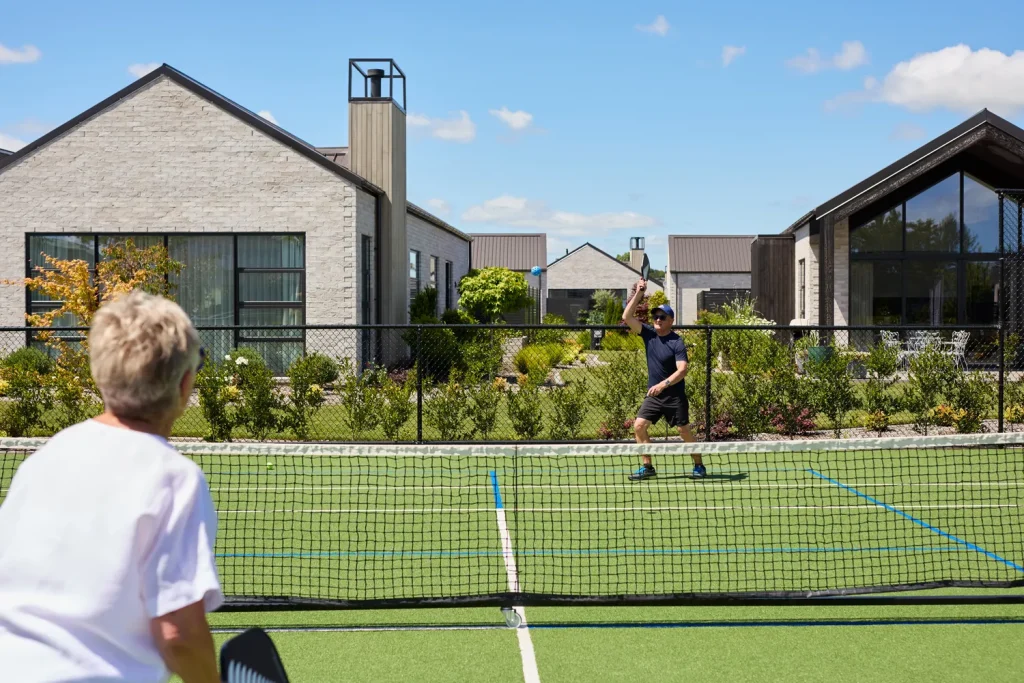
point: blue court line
(822, 622)
(576, 552)
(919, 522)
(497, 490)
(624, 470)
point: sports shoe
(699, 471)
(645, 472)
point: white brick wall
(841, 292)
(588, 268)
(430, 240)
(165, 160)
(806, 247)
(688, 285)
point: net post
(1000, 312)
(707, 383)
(419, 384)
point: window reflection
(981, 217)
(933, 217)
(875, 293)
(884, 233)
(931, 293)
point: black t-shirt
(662, 354)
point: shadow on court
(740, 476)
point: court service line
(530, 673)
(653, 486)
(919, 522)
(651, 508)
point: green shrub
(360, 393)
(972, 396)
(619, 389)
(547, 336)
(832, 386)
(28, 398)
(880, 401)
(437, 347)
(445, 408)
(306, 395)
(524, 410)
(29, 358)
(260, 402)
(321, 369)
(424, 304)
(484, 401)
(931, 373)
(614, 340)
(218, 398)
(396, 405)
(534, 362)
(656, 299)
(569, 406)
(73, 400)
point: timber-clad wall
(771, 282)
(377, 151)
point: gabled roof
(931, 150)
(709, 253)
(623, 264)
(434, 220)
(515, 251)
(211, 96)
(4, 152)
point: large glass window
(876, 296)
(414, 274)
(256, 280)
(931, 293)
(933, 217)
(884, 233)
(981, 217)
(802, 288)
(449, 286)
(982, 292)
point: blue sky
(590, 121)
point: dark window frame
(960, 257)
(802, 287)
(239, 304)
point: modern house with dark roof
(917, 243)
(573, 278)
(702, 267)
(272, 230)
(5, 153)
(518, 252)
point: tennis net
(360, 526)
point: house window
(449, 287)
(365, 277)
(227, 280)
(802, 287)
(414, 274)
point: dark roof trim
(982, 118)
(5, 152)
(434, 220)
(605, 253)
(215, 98)
(799, 223)
(510, 234)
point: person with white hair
(107, 568)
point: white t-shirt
(102, 530)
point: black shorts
(675, 410)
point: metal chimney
(375, 76)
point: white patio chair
(958, 348)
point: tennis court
(560, 528)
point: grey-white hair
(140, 347)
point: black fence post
(1000, 306)
(419, 384)
(707, 385)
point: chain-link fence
(443, 383)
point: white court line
(530, 673)
(655, 486)
(428, 511)
(356, 629)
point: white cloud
(439, 206)
(26, 55)
(267, 115)
(10, 143)
(516, 120)
(140, 70)
(907, 131)
(660, 26)
(955, 78)
(731, 52)
(459, 128)
(849, 57)
(520, 212)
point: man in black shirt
(666, 389)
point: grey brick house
(272, 231)
(702, 266)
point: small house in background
(573, 278)
(520, 253)
(706, 269)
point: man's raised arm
(628, 315)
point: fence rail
(553, 383)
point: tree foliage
(489, 294)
